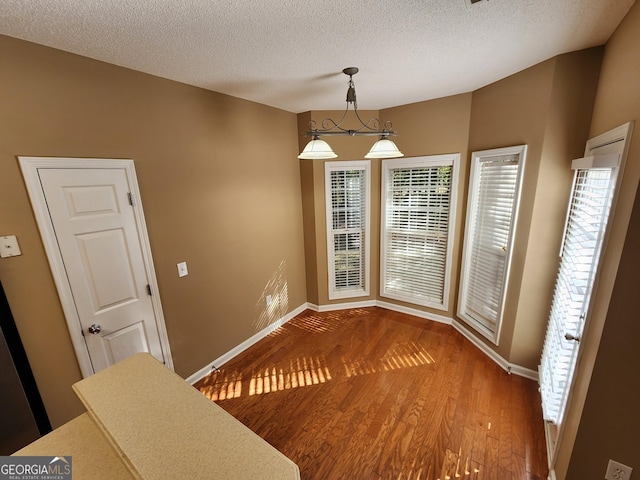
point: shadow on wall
(273, 303)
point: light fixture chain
(332, 128)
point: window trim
(472, 200)
(364, 290)
(452, 160)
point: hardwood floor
(374, 394)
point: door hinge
(149, 289)
(82, 331)
(130, 195)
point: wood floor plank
(519, 416)
(504, 443)
(466, 448)
(478, 472)
(449, 464)
(417, 462)
(395, 450)
(368, 393)
(519, 469)
(464, 414)
(416, 408)
(499, 384)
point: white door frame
(30, 166)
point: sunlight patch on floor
(327, 322)
(222, 386)
(405, 355)
(301, 372)
(458, 466)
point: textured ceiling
(290, 53)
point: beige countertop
(167, 429)
(92, 458)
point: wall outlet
(182, 269)
(269, 300)
(617, 471)
(9, 246)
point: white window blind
(418, 215)
(494, 191)
(347, 207)
(589, 208)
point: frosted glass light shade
(317, 149)
(384, 148)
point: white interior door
(102, 252)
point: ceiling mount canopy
(318, 149)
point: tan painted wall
(220, 185)
(606, 426)
(567, 126)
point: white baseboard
(218, 362)
(434, 317)
(382, 304)
(509, 367)
(524, 372)
(341, 306)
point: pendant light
(318, 149)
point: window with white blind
(418, 217)
(492, 208)
(347, 193)
(587, 217)
(588, 213)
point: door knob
(570, 337)
(95, 329)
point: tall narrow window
(587, 217)
(347, 205)
(592, 197)
(494, 191)
(418, 216)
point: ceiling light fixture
(318, 149)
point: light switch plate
(9, 246)
(182, 269)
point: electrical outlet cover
(182, 269)
(9, 246)
(618, 471)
